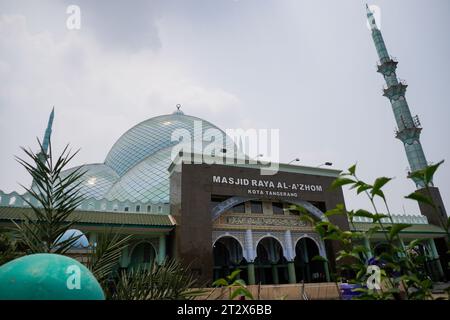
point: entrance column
(275, 274)
(249, 255)
(369, 249)
(162, 249)
(273, 259)
(323, 254)
(435, 256)
(327, 270)
(306, 260)
(291, 272)
(124, 259)
(251, 273)
(290, 256)
(92, 239)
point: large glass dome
(149, 137)
(136, 167)
(97, 180)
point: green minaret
(48, 132)
(43, 153)
(408, 127)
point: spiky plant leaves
(169, 281)
(55, 197)
(104, 255)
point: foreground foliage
(56, 196)
(168, 281)
(237, 287)
(402, 267)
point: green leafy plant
(104, 256)
(57, 196)
(237, 287)
(402, 274)
(169, 281)
(9, 247)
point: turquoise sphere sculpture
(48, 277)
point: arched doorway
(270, 264)
(142, 256)
(307, 269)
(228, 256)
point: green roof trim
(98, 217)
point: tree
(54, 198)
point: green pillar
(436, 256)
(327, 271)
(369, 249)
(92, 238)
(306, 260)
(275, 274)
(124, 261)
(402, 244)
(162, 249)
(291, 272)
(251, 273)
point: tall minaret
(48, 132)
(408, 127)
(43, 153)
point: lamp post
(329, 164)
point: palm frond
(104, 256)
(57, 196)
(169, 281)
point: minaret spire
(48, 132)
(43, 153)
(408, 127)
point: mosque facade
(216, 212)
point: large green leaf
(379, 183)
(363, 213)
(395, 229)
(419, 197)
(352, 169)
(430, 171)
(341, 181)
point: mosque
(216, 212)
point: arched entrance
(142, 256)
(306, 269)
(270, 263)
(228, 256)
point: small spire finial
(178, 111)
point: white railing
(398, 218)
(14, 199)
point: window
(277, 208)
(149, 208)
(138, 208)
(256, 206)
(125, 209)
(159, 209)
(239, 208)
(216, 199)
(319, 205)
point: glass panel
(256, 206)
(277, 208)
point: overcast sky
(304, 67)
